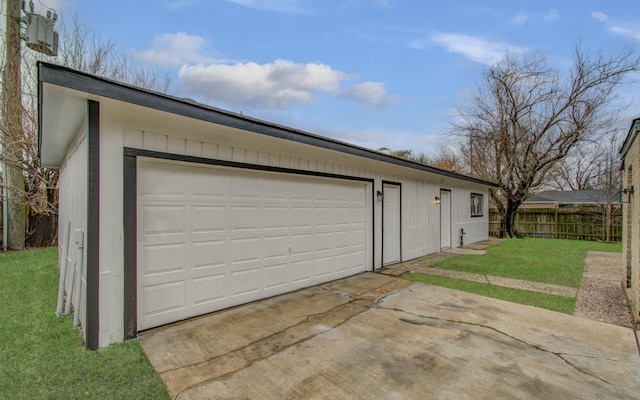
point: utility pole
(13, 132)
(42, 38)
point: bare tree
(525, 117)
(83, 50)
(577, 171)
(445, 158)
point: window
(476, 205)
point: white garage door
(211, 238)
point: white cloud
(371, 94)
(281, 6)
(174, 49)
(522, 18)
(602, 17)
(626, 28)
(271, 85)
(476, 49)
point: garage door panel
(164, 181)
(356, 237)
(246, 281)
(163, 298)
(210, 218)
(358, 216)
(323, 265)
(209, 254)
(301, 244)
(324, 216)
(164, 258)
(209, 289)
(301, 271)
(342, 239)
(164, 219)
(244, 188)
(234, 236)
(276, 276)
(245, 250)
(245, 218)
(299, 216)
(276, 247)
(343, 262)
(209, 186)
(323, 241)
(275, 217)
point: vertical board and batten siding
(475, 228)
(126, 126)
(419, 212)
(420, 218)
(72, 212)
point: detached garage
(171, 209)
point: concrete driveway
(378, 337)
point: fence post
(555, 207)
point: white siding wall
(139, 128)
(475, 228)
(72, 211)
(111, 226)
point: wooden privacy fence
(579, 223)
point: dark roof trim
(69, 78)
(633, 132)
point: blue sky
(370, 72)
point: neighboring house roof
(72, 86)
(631, 135)
(590, 196)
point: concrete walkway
(478, 248)
(600, 296)
(378, 337)
(493, 280)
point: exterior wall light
(437, 200)
(380, 196)
(628, 191)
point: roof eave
(631, 135)
(97, 86)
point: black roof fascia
(630, 137)
(72, 79)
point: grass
(43, 357)
(542, 300)
(554, 261)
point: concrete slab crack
(561, 356)
(244, 357)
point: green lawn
(554, 261)
(43, 357)
(542, 300)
